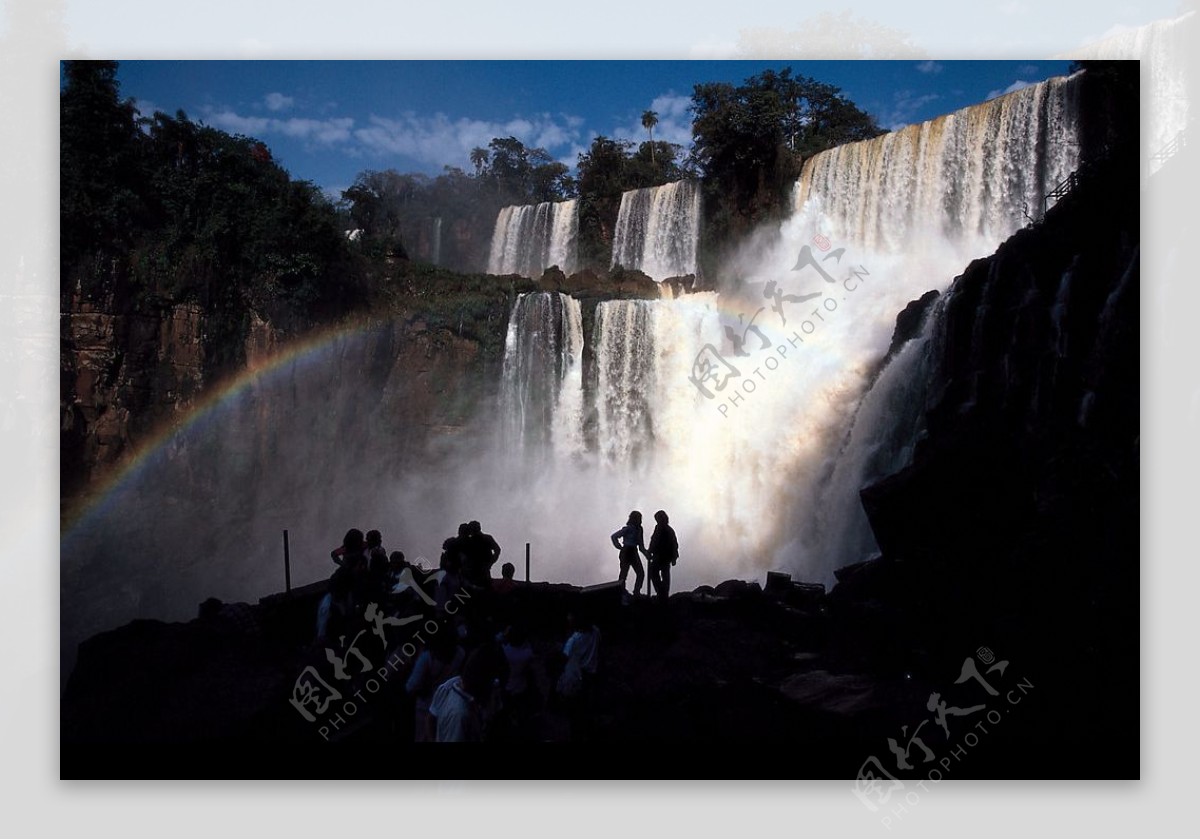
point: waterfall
(530, 238)
(625, 358)
(883, 434)
(761, 472)
(542, 379)
(764, 470)
(658, 229)
(970, 178)
(436, 248)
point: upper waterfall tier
(972, 177)
(530, 238)
(658, 229)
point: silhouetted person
(462, 547)
(355, 564)
(460, 705)
(491, 548)
(377, 567)
(576, 684)
(396, 565)
(480, 552)
(442, 659)
(664, 551)
(520, 694)
(347, 587)
(506, 583)
(631, 541)
(514, 643)
(451, 581)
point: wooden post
(287, 564)
(527, 562)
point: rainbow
(304, 351)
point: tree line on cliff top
(163, 209)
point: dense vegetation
(750, 141)
(162, 209)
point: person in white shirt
(583, 657)
(459, 705)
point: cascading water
(743, 462)
(970, 178)
(883, 433)
(931, 196)
(530, 238)
(658, 229)
(436, 248)
(764, 469)
(625, 359)
(542, 385)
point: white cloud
(322, 132)
(906, 106)
(437, 140)
(1015, 86)
(570, 158)
(325, 132)
(433, 140)
(932, 67)
(278, 102)
(238, 124)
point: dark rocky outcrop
(1016, 524)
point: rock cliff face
(1015, 524)
(178, 474)
(122, 374)
(128, 377)
(1031, 409)
(181, 472)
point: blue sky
(326, 121)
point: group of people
(500, 689)
(661, 555)
(477, 676)
(365, 574)
(470, 555)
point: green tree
(379, 202)
(649, 120)
(603, 175)
(526, 176)
(99, 160)
(655, 163)
(160, 210)
(479, 159)
(750, 140)
(756, 134)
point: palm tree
(479, 157)
(649, 120)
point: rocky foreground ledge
(696, 688)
